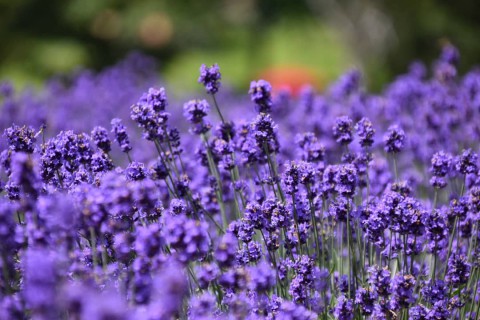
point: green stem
(214, 171)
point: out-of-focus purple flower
(41, 278)
(226, 251)
(210, 78)
(11, 307)
(149, 240)
(313, 151)
(346, 85)
(262, 278)
(6, 89)
(24, 174)
(206, 274)
(450, 54)
(189, 238)
(202, 307)
(289, 310)
(104, 305)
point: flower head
(210, 78)
(394, 139)
(260, 93)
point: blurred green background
(301, 40)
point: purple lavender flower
(365, 132)
(418, 312)
(346, 85)
(202, 307)
(262, 278)
(394, 139)
(254, 215)
(342, 130)
(260, 94)
(189, 238)
(196, 110)
(20, 139)
(207, 274)
(135, 171)
(365, 299)
(379, 279)
(101, 139)
(100, 162)
(312, 150)
(158, 170)
(346, 180)
(458, 270)
(344, 309)
(250, 252)
(157, 99)
(289, 310)
(169, 289)
(24, 174)
(11, 307)
(264, 131)
(450, 54)
(407, 217)
(439, 311)
(437, 230)
(149, 241)
(467, 162)
(121, 135)
(434, 291)
(441, 164)
(340, 208)
(210, 78)
(41, 278)
(402, 291)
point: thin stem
(217, 108)
(214, 171)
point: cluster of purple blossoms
(260, 93)
(275, 213)
(210, 77)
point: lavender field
(118, 202)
